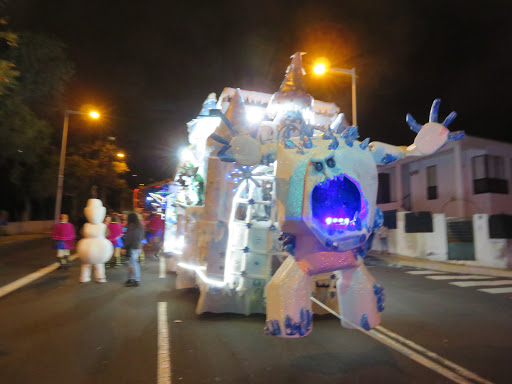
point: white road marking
(480, 283)
(6, 289)
(164, 342)
(458, 374)
(163, 267)
(427, 272)
(497, 290)
(459, 277)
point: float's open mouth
(336, 203)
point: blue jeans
(134, 264)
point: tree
(7, 68)
(44, 72)
(97, 165)
(27, 149)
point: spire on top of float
(236, 112)
(292, 94)
(294, 78)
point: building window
(384, 191)
(432, 183)
(489, 175)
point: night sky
(150, 65)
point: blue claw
(449, 119)
(364, 322)
(412, 123)
(364, 143)
(456, 135)
(434, 111)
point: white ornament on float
(94, 248)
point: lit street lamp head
(319, 68)
(120, 155)
(94, 114)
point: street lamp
(321, 67)
(60, 181)
(120, 155)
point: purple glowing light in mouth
(341, 220)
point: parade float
(274, 201)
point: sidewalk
(392, 258)
(10, 239)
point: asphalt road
(56, 330)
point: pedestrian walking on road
(156, 226)
(115, 235)
(64, 235)
(132, 246)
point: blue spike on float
(449, 119)
(223, 156)
(288, 144)
(349, 135)
(434, 111)
(412, 123)
(456, 135)
(327, 134)
(225, 120)
(219, 139)
(334, 144)
(307, 143)
(364, 143)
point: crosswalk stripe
(497, 290)
(427, 272)
(480, 283)
(459, 277)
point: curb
(17, 239)
(408, 261)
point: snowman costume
(94, 249)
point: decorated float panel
(275, 201)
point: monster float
(289, 206)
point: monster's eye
(330, 162)
(318, 166)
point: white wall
(496, 253)
(431, 246)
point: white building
(462, 185)
(466, 177)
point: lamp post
(321, 68)
(60, 180)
